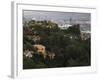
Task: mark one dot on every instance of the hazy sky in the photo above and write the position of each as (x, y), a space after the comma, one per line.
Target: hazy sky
(59, 17)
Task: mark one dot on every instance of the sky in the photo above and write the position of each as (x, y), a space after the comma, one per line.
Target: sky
(58, 17)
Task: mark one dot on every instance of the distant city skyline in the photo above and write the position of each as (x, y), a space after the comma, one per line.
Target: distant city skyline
(58, 17)
(61, 18)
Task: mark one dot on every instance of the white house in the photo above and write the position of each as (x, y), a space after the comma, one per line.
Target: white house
(64, 26)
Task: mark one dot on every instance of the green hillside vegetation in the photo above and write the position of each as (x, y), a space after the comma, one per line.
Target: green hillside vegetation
(70, 50)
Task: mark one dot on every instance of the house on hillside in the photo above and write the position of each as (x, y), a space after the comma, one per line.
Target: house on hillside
(85, 35)
(64, 26)
(41, 49)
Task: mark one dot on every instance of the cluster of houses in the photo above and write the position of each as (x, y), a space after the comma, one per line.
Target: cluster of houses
(41, 51)
(85, 34)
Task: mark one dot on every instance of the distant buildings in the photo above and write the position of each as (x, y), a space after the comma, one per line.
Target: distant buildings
(85, 27)
(85, 35)
(64, 26)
